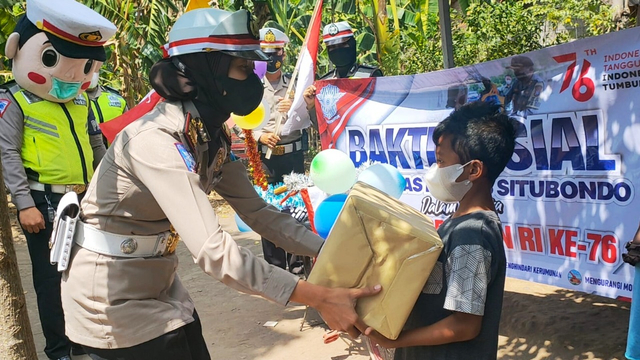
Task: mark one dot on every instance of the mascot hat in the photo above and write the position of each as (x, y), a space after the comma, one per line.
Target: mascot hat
(73, 29)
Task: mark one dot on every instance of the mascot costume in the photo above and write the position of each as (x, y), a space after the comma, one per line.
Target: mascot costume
(49, 139)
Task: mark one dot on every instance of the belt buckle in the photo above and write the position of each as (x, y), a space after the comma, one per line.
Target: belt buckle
(278, 150)
(78, 188)
(172, 242)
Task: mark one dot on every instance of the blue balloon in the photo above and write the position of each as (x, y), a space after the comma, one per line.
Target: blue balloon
(384, 177)
(327, 213)
(242, 226)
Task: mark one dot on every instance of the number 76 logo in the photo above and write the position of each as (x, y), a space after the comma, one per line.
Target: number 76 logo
(584, 88)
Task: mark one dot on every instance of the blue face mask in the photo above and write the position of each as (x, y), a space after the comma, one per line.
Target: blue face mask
(63, 90)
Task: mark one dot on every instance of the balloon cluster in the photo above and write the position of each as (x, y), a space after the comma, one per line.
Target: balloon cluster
(333, 172)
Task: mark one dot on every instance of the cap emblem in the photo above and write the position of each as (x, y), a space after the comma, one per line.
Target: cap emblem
(270, 37)
(91, 36)
(333, 29)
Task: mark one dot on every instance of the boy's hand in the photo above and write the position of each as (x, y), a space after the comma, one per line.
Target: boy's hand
(379, 339)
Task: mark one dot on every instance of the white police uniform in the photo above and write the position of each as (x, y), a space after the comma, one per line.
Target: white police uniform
(121, 293)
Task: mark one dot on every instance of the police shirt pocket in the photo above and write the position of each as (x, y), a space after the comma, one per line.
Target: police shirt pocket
(435, 280)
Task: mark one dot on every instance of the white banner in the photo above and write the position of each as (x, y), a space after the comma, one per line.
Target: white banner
(567, 198)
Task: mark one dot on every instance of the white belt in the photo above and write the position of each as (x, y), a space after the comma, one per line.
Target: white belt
(56, 188)
(284, 149)
(130, 246)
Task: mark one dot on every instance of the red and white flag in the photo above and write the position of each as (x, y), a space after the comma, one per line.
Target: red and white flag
(306, 68)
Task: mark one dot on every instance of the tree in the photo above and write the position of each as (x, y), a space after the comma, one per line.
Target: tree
(16, 339)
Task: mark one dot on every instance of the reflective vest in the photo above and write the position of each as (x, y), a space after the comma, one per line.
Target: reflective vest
(55, 145)
(108, 106)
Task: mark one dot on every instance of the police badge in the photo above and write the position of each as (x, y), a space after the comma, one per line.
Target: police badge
(333, 29)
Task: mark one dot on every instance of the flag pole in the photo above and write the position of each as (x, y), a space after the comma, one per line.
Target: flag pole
(290, 91)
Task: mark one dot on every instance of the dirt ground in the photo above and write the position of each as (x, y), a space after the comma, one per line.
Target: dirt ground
(538, 321)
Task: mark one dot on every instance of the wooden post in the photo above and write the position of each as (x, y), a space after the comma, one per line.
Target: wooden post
(16, 339)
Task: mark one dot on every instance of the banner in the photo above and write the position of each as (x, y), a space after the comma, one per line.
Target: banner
(567, 198)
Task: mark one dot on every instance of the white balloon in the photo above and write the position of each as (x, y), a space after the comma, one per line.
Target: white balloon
(332, 171)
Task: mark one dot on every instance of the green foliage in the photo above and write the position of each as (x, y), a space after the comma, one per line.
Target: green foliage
(494, 29)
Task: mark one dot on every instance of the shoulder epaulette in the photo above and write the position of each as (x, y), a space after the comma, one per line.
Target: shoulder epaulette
(329, 75)
(111, 90)
(10, 86)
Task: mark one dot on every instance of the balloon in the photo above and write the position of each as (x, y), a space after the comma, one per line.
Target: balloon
(332, 171)
(255, 120)
(384, 177)
(260, 68)
(327, 214)
(242, 226)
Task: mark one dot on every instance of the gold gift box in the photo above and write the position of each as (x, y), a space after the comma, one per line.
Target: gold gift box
(379, 240)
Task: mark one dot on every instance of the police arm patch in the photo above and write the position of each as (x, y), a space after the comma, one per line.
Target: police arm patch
(4, 104)
(187, 157)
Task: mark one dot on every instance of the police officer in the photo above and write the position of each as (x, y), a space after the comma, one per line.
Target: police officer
(287, 150)
(121, 293)
(106, 102)
(49, 139)
(341, 46)
(524, 96)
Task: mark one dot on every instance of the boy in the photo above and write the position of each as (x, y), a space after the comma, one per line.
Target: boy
(458, 313)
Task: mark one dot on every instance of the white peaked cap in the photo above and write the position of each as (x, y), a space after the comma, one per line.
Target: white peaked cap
(209, 29)
(271, 39)
(336, 33)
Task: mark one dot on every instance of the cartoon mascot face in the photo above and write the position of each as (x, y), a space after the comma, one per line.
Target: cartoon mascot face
(42, 70)
(56, 47)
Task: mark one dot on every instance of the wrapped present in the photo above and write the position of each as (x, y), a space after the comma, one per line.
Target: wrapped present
(379, 240)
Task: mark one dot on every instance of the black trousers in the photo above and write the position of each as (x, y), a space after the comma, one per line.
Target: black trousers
(280, 165)
(274, 169)
(185, 343)
(46, 281)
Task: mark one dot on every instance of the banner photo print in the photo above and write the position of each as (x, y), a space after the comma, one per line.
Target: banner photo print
(567, 198)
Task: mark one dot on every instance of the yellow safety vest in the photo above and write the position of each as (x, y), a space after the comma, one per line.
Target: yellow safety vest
(108, 106)
(55, 143)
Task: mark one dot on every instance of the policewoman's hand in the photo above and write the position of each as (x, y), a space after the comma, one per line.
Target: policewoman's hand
(269, 139)
(336, 306)
(309, 95)
(283, 105)
(32, 220)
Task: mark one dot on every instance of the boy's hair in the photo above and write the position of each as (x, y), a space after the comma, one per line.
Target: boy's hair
(479, 130)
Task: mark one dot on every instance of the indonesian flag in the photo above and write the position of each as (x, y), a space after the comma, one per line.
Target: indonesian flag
(306, 67)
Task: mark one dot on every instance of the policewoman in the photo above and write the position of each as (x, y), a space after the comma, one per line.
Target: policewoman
(287, 150)
(121, 294)
(49, 140)
(342, 49)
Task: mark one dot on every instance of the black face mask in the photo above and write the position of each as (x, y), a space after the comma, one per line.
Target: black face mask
(343, 57)
(241, 97)
(275, 64)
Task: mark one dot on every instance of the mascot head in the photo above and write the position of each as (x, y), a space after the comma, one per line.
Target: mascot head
(56, 47)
